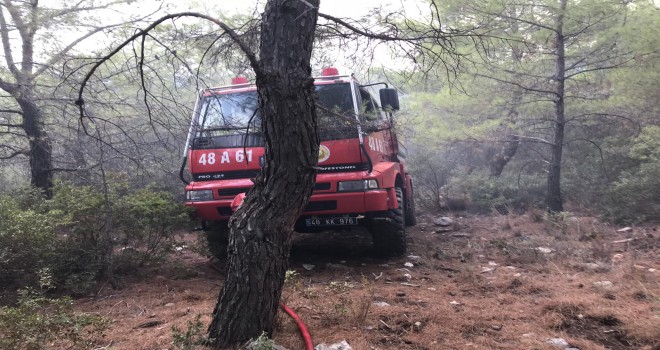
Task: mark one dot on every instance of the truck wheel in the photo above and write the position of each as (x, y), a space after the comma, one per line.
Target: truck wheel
(411, 218)
(389, 232)
(217, 238)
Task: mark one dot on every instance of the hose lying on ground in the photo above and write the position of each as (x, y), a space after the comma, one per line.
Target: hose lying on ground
(309, 345)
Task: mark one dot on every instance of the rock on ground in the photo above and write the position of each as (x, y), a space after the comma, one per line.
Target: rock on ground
(343, 345)
(443, 221)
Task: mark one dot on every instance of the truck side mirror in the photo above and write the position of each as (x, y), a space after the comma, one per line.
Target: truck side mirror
(389, 99)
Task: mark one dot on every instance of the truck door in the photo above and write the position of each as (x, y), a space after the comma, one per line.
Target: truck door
(376, 127)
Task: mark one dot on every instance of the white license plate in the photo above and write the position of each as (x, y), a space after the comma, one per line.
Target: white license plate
(338, 221)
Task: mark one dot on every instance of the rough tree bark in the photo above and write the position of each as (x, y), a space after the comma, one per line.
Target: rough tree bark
(500, 160)
(262, 228)
(554, 200)
(41, 159)
(20, 22)
(23, 90)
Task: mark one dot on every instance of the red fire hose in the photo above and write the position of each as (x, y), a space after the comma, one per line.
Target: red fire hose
(303, 330)
(309, 345)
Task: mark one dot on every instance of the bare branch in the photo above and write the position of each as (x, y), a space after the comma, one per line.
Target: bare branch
(534, 139)
(11, 125)
(6, 46)
(234, 36)
(16, 17)
(59, 55)
(77, 8)
(364, 33)
(530, 139)
(600, 151)
(606, 115)
(12, 155)
(15, 152)
(527, 88)
(531, 23)
(598, 68)
(11, 111)
(73, 170)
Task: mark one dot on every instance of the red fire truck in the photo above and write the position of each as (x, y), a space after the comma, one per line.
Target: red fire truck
(362, 179)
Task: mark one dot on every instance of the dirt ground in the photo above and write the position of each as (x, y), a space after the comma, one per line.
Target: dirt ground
(497, 282)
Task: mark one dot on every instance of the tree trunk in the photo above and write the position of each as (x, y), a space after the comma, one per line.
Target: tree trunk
(41, 158)
(262, 228)
(510, 148)
(507, 152)
(554, 199)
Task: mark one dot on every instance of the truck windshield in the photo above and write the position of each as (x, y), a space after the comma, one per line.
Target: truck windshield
(231, 114)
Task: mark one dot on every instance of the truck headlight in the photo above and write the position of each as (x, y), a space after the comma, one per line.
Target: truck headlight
(359, 185)
(199, 196)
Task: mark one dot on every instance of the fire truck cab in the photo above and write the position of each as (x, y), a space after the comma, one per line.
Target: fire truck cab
(362, 179)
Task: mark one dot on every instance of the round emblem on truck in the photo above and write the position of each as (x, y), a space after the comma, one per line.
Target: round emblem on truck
(324, 153)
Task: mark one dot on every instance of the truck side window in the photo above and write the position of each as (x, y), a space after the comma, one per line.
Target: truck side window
(336, 117)
(368, 106)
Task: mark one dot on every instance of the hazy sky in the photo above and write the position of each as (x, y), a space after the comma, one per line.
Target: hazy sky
(342, 8)
(339, 8)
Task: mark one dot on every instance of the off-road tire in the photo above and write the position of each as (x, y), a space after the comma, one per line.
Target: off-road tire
(217, 238)
(411, 218)
(389, 232)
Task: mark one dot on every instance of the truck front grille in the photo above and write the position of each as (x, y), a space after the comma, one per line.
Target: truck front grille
(231, 192)
(321, 206)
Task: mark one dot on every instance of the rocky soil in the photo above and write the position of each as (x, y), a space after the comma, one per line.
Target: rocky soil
(477, 282)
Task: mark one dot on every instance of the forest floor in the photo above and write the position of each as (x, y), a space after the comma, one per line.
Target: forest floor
(487, 282)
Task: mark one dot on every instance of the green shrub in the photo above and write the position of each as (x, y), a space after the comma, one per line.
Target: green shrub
(147, 225)
(28, 240)
(635, 195)
(263, 342)
(430, 174)
(502, 194)
(79, 235)
(129, 230)
(557, 221)
(38, 322)
(191, 337)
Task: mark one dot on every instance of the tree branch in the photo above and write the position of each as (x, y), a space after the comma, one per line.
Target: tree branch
(600, 151)
(535, 139)
(57, 56)
(588, 115)
(234, 36)
(16, 16)
(527, 88)
(11, 125)
(7, 86)
(76, 8)
(15, 152)
(612, 66)
(11, 111)
(73, 170)
(6, 46)
(431, 34)
(531, 23)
